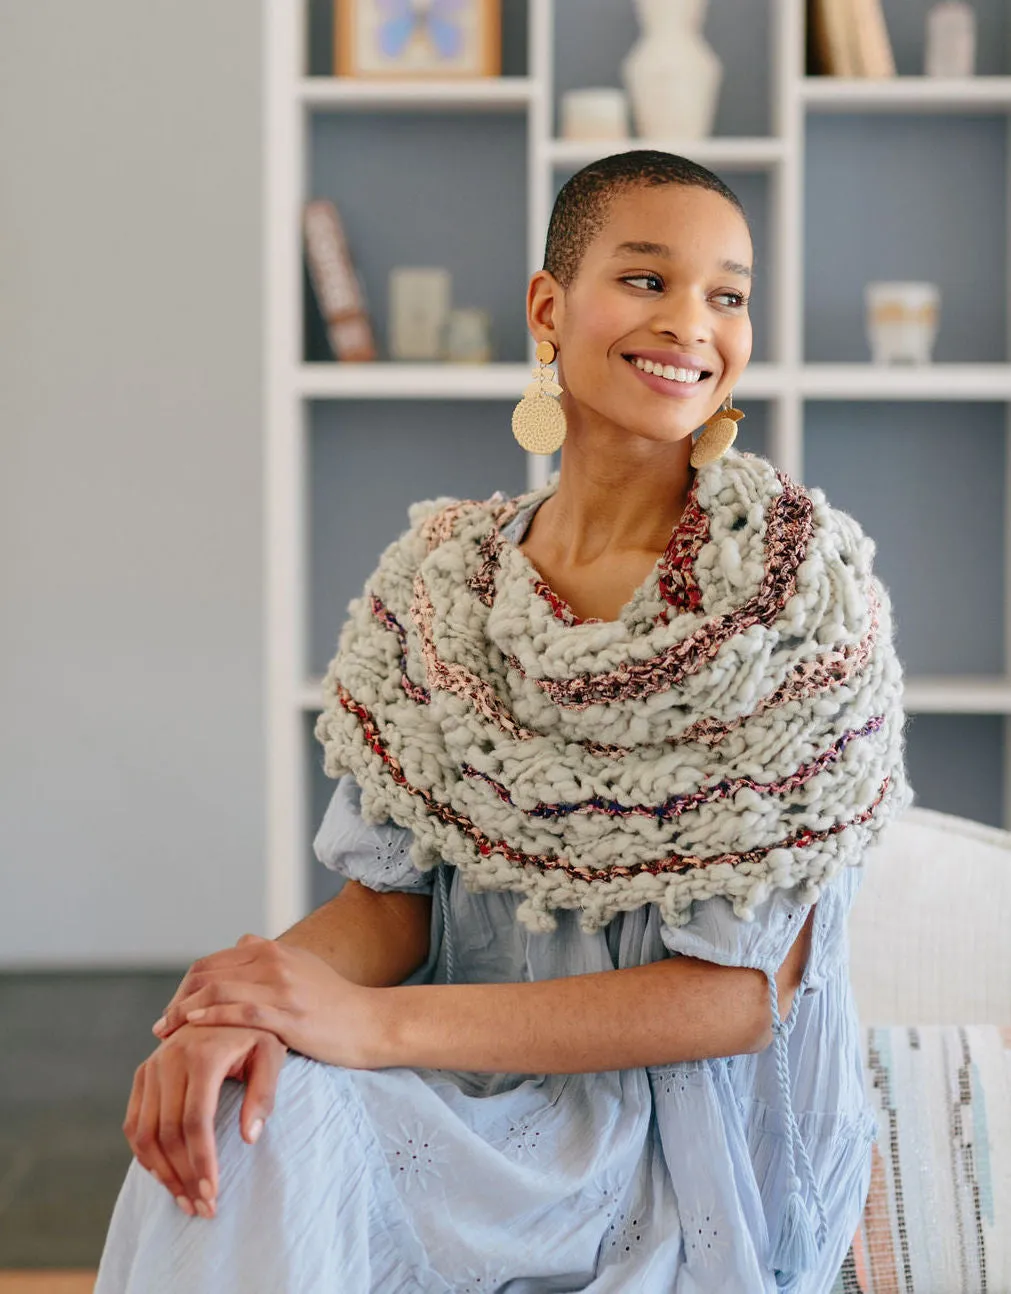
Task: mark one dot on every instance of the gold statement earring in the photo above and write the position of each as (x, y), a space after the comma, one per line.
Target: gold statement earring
(718, 434)
(538, 419)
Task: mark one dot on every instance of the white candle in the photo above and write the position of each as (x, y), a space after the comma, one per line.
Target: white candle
(597, 113)
(951, 40)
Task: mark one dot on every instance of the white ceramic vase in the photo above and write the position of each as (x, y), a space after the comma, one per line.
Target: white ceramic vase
(671, 74)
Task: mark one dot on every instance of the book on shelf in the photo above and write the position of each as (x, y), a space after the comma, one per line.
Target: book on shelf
(335, 283)
(849, 38)
(875, 55)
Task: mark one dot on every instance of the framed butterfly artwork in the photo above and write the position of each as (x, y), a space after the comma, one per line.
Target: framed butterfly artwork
(417, 38)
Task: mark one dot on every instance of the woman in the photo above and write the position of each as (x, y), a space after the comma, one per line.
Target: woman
(610, 755)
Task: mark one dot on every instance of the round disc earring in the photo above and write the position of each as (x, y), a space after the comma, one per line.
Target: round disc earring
(539, 420)
(718, 434)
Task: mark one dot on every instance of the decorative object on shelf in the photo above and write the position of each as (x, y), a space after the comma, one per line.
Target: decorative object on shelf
(875, 57)
(418, 38)
(849, 38)
(419, 309)
(538, 419)
(338, 292)
(902, 321)
(951, 40)
(672, 75)
(595, 113)
(468, 336)
(718, 433)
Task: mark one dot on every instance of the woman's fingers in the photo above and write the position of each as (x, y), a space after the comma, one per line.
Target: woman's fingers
(221, 993)
(197, 1125)
(146, 1145)
(205, 968)
(246, 1015)
(261, 1085)
(171, 1139)
(243, 940)
(210, 1059)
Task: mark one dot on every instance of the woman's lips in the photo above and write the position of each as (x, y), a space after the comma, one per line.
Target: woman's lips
(665, 386)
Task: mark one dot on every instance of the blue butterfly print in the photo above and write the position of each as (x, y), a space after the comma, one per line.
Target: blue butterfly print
(433, 18)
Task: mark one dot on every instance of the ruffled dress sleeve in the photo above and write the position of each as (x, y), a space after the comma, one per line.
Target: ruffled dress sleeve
(377, 856)
(715, 933)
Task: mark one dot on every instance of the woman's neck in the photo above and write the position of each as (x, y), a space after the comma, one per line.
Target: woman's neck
(602, 506)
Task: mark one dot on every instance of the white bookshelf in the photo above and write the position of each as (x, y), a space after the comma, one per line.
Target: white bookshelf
(785, 382)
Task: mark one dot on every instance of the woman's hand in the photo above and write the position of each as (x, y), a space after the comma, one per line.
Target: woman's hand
(263, 984)
(170, 1115)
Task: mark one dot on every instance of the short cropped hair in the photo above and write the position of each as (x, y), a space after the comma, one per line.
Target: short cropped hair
(580, 210)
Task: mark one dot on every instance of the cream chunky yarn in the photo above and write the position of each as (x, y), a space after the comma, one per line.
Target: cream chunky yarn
(738, 728)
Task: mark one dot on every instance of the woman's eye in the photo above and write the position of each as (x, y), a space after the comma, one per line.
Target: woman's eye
(645, 278)
(737, 298)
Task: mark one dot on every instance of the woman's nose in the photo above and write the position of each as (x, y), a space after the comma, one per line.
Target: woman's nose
(683, 316)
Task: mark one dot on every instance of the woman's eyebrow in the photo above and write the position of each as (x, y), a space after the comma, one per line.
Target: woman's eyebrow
(661, 249)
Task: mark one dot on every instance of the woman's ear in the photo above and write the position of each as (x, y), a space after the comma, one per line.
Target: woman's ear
(545, 306)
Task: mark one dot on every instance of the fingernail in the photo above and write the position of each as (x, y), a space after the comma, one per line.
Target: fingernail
(198, 1014)
(204, 1209)
(206, 1189)
(255, 1129)
(159, 1025)
(185, 1205)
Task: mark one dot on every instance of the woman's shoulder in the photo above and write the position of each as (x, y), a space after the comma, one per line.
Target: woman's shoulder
(757, 475)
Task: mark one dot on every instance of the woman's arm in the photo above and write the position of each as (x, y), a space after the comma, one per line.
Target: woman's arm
(678, 1009)
(681, 1008)
(368, 937)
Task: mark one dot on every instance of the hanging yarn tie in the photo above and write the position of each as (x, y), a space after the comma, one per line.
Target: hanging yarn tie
(442, 879)
(795, 1247)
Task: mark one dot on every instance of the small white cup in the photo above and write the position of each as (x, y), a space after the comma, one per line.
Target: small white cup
(902, 321)
(595, 113)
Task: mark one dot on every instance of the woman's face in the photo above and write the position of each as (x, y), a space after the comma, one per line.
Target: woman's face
(667, 279)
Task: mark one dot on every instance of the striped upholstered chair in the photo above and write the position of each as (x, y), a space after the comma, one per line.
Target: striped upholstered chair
(930, 935)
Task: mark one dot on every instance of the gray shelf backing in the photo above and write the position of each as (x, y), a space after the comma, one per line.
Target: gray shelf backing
(919, 197)
(926, 482)
(955, 764)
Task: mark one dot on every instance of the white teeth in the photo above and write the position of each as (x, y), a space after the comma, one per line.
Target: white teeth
(668, 371)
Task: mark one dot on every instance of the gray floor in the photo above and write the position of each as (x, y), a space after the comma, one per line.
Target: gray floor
(69, 1044)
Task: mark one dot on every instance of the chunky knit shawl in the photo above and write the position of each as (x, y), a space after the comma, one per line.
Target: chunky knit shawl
(738, 728)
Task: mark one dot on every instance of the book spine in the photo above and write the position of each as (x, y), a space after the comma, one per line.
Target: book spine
(835, 25)
(335, 283)
(876, 58)
(819, 55)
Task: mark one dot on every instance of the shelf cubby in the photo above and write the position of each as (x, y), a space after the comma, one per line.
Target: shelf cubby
(938, 532)
(901, 197)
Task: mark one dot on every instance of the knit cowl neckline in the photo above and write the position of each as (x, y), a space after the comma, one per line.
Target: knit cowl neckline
(646, 592)
(737, 727)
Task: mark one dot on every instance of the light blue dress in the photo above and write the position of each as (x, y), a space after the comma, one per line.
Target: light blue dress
(665, 1180)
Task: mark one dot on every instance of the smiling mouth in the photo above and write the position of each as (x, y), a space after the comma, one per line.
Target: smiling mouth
(677, 377)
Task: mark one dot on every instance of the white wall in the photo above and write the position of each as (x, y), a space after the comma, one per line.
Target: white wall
(131, 749)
